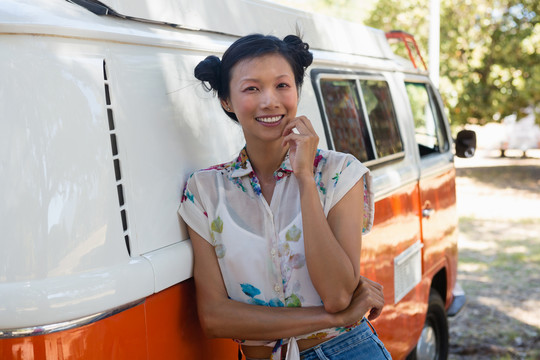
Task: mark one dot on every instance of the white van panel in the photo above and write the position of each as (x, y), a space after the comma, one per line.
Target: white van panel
(64, 298)
(265, 17)
(154, 97)
(64, 19)
(60, 211)
(63, 250)
(155, 132)
(80, 235)
(171, 264)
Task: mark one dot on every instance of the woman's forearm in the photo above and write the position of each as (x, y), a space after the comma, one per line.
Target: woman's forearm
(232, 319)
(226, 318)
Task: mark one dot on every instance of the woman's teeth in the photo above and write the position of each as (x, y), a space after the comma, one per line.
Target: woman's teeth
(271, 119)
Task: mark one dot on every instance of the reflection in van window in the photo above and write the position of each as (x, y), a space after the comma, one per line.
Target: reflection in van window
(429, 130)
(347, 123)
(382, 117)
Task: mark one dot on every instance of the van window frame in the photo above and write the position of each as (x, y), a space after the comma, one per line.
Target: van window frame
(443, 131)
(320, 74)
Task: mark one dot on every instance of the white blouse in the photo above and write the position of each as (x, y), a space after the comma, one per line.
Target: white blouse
(260, 246)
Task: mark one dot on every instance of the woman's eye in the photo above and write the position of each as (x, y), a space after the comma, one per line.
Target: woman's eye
(283, 85)
(250, 88)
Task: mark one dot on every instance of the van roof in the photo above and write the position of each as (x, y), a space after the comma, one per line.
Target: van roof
(231, 17)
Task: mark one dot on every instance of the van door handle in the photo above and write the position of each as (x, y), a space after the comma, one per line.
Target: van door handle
(426, 213)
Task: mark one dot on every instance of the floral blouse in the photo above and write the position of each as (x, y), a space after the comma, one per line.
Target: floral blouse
(260, 246)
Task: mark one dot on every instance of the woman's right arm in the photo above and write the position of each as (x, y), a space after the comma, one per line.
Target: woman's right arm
(222, 317)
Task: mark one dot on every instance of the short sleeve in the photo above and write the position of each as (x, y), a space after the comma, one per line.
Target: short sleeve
(346, 173)
(192, 210)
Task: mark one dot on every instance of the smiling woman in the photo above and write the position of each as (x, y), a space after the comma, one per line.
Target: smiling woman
(262, 224)
(263, 96)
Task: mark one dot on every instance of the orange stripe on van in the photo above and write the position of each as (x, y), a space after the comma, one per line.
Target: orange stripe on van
(165, 326)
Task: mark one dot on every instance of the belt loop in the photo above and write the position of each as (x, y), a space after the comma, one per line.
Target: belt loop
(372, 328)
(240, 355)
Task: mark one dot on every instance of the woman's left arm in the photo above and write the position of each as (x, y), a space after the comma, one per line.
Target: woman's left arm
(332, 244)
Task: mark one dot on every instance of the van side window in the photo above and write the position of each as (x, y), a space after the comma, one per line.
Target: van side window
(430, 132)
(382, 117)
(346, 118)
(361, 117)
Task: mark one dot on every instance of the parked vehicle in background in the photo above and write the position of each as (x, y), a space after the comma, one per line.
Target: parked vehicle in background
(102, 123)
(520, 134)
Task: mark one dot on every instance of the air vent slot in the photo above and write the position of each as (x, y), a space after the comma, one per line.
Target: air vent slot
(116, 160)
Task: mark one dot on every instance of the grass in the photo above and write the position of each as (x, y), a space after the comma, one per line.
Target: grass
(499, 260)
(505, 177)
(499, 269)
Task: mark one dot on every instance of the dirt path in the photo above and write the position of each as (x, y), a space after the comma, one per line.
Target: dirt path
(499, 267)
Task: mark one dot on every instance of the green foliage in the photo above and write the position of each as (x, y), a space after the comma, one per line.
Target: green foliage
(489, 61)
(489, 52)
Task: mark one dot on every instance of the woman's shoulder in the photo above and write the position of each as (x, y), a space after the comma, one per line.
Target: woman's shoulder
(332, 158)
(218, 169)
(202, 178)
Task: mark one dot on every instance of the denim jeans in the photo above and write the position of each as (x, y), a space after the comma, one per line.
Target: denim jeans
(359, 343)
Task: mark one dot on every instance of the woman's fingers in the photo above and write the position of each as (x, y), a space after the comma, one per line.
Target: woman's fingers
(376, 298)
(368, 296)
(303, 126)
(303, 141)
(374, 313)
(304, 132)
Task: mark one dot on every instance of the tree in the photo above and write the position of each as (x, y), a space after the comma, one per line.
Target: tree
(489, 53)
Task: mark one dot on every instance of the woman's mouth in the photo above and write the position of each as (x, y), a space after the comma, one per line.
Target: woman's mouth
(269, 119)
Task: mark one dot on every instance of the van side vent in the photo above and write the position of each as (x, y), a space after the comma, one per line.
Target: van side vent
(116, 160)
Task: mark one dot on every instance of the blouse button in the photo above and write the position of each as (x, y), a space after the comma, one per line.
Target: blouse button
(273, 252)
(280, 174)
(276, 288)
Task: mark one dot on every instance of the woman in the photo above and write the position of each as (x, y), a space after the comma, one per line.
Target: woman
(276, 232)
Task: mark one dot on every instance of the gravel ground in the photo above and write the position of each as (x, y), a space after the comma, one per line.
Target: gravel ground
(499, 251)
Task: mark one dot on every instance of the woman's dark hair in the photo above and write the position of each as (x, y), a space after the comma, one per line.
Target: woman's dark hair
(216, 74)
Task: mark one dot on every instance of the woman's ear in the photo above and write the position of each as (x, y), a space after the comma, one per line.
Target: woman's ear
(226, 106)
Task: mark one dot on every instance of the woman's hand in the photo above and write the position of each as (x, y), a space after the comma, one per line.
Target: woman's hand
(368, 296)
(302, 145)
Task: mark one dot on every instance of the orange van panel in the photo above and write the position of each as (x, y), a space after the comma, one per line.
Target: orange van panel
(396, 227)
(174, 331)
(121, 336)
(440, 231)
(165, 326)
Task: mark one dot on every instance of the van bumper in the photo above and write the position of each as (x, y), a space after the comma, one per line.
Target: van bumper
(459, 300)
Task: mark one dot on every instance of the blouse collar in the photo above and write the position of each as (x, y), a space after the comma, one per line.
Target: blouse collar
(242, 166)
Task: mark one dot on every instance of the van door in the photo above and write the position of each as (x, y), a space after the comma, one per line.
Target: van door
(436, 185)
(360, 117)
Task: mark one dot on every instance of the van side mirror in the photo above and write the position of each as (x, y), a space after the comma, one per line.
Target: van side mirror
(465, 143)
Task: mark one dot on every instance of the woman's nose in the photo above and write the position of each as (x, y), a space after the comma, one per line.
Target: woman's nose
(269, 99)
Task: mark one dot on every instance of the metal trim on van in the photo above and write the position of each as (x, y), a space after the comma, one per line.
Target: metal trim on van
(66, 325)
(429, 173)
(390, 191)
(435, 97)
(385, 160)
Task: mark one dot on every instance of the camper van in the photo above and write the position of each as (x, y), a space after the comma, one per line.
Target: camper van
(102, 122)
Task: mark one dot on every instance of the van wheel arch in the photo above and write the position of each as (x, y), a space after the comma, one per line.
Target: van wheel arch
(433, 342)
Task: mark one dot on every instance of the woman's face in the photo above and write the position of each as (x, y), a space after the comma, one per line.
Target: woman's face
(263, 95)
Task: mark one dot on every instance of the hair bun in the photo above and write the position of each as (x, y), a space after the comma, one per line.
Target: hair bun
(299, 49)
(209, 72)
